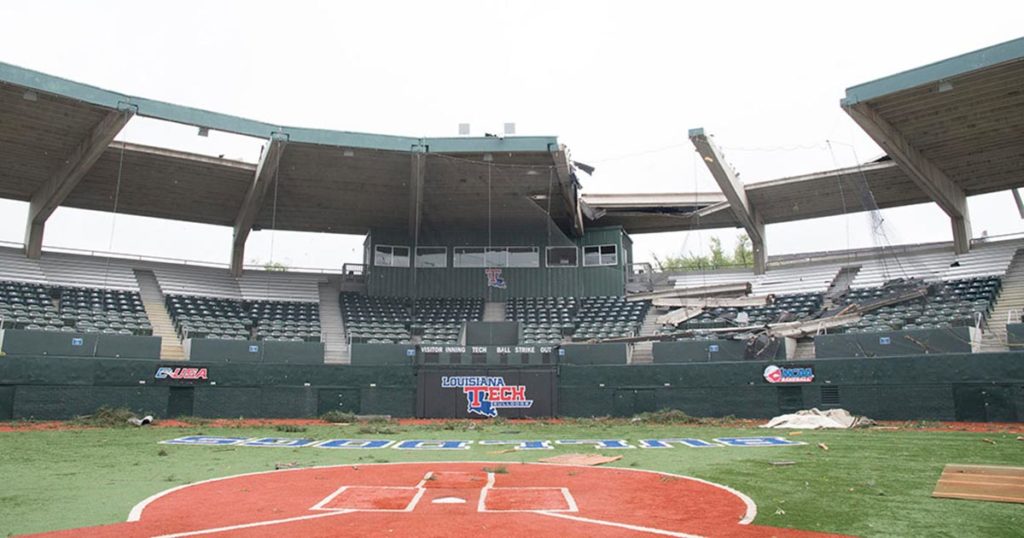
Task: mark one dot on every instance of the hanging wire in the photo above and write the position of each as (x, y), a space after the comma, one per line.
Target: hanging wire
(113, 218)
(273, 227)
(842, 193)
(548, 223)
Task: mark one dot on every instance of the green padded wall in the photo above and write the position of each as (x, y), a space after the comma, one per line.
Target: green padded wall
(894, 343)
(61, 344)
(1015, 336)
(382, 354)
(703, 351)
(60, 388)
(592, 354)
(891, 388)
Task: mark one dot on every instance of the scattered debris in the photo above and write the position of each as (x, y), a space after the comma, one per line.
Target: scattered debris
(580, 459)
(289, 465)
(796, 433)
(989, 441)
(814, 419)
(780, 512)
(823, 446)
(782, 463)
(1020, 437)
(144, 421)
(997, 483)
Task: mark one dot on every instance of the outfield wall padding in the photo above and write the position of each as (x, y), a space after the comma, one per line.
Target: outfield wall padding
(62, 344)
(986, 387)
(891, 388)
(893, 343)
(60, 388)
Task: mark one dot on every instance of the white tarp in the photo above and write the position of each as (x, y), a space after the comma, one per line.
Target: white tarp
(814, 419)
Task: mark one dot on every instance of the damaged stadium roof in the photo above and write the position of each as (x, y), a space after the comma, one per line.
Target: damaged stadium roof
(953, 129)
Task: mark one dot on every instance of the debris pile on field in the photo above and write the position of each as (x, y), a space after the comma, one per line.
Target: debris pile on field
(815, 419)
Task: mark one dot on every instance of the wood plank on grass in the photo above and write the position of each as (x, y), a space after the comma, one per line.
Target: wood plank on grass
(996, 483)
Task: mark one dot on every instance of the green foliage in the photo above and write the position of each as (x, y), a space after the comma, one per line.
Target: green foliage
(338, 417)
(106, 417)
(741, 256)
(270, 265)
(290, 428)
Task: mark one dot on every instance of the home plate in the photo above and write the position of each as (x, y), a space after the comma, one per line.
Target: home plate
(449, 500)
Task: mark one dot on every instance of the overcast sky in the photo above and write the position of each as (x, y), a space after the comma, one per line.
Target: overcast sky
(620, 83)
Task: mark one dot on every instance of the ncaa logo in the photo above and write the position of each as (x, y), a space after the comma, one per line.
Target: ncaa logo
(773, 374)
(802, 374)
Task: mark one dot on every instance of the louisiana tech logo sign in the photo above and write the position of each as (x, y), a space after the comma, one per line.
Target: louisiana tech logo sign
(494, 278)
(486, 394)
(774, 374)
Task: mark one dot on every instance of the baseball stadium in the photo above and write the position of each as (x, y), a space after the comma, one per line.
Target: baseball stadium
(469, 374)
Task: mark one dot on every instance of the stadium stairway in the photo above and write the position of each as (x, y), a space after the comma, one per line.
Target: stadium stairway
(494, 311)
(156, 311)
(643, 352)
(332, 326)
(841, 283)
(1010, 299)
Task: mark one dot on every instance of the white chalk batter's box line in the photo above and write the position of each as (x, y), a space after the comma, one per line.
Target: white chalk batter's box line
(420, 489)
(420, 444)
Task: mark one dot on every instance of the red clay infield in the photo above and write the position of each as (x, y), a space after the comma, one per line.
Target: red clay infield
(445, 499)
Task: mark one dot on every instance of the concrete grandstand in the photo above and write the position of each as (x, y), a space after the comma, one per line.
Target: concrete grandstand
(489, 242)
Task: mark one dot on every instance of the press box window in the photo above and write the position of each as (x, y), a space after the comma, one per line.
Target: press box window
(432, 257)
(523, 257)
(389, 256)
(468, 257)
(600, 255)
(563, 257)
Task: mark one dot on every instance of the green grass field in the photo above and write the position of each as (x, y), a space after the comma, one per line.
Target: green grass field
(869, 482)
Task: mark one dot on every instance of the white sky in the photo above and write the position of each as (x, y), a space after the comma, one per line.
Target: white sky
(619, 82)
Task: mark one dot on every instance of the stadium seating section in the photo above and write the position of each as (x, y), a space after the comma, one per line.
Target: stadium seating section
(549, 320)
(72, 309)
(954, 303)
(393, 320)
(231, 319)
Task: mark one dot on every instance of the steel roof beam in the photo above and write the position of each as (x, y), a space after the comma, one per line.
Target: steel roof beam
(266, 173)
(56, 189)
(929, 177)
(568, 186)
(735, 194)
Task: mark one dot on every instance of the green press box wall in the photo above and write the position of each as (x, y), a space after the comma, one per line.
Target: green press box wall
(59, 388)
(891, 388)
(520, 281)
